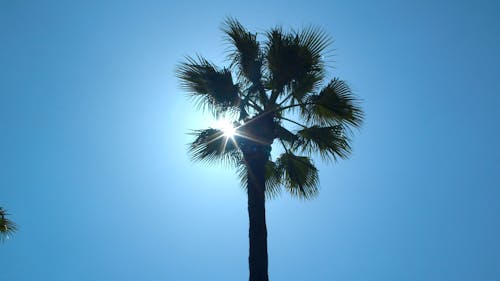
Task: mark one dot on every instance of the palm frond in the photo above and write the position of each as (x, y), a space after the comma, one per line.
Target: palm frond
(273, 179)
(211, 145)
(300, 88)
(330, 142)
(335, 104)
(300, 176)
(211, 88)
(315, 40)
(7, 227)
(245, 52)
(295, 61)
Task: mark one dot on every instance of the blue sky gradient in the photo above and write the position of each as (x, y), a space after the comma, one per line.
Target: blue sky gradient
(93, 138)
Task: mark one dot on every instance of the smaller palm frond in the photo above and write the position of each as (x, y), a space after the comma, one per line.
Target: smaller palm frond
(211, 145)
(7, 227)
(295, 60)
(315, 40)
(330, 142)
(300, 88)
(300, 176)
(335, 104)
(273, 179)
(212, 88)
(245, 52)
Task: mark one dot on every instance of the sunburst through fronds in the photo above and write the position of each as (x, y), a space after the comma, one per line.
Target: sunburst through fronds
(226, 126)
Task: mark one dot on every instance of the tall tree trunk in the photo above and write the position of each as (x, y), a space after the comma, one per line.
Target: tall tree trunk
(256, 168)
(256, 151)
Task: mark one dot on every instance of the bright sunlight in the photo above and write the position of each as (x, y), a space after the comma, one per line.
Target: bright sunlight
(226, 126)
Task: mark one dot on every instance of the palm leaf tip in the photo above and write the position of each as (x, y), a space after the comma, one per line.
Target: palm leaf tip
(300, 176)
(335, 104)
(245, 50)
(7, 227)
(316, 40)
(330, 142)
(273, 179)
(210, 86)
(295, 60)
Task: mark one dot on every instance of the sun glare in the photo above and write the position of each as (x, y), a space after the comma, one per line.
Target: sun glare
(226, 126)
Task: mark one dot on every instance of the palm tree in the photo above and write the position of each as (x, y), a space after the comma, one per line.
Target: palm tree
(7, 227)
(277, 94)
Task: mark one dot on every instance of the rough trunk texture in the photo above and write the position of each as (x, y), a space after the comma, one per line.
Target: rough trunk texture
(257, 259)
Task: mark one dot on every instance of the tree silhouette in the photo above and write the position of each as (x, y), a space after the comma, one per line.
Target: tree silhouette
(277, 93)
(7, 227)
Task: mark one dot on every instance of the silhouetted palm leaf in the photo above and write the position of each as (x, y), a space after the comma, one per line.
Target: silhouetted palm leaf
(212, 88)
(300, 88)
(295, 61)
(315, 40)
(335, 104)
(245, 54)
(273, 179)
(300, 176)
(7, 227)
(329, 142)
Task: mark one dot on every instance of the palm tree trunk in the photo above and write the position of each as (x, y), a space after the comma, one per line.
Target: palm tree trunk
(257, 259)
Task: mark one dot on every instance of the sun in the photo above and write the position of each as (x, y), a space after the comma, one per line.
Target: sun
(226, 127)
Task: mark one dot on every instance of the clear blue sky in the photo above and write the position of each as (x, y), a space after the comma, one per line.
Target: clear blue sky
(94, 169)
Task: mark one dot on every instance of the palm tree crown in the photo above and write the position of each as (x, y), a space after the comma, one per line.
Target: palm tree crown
(7, 227)
(277, 93)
